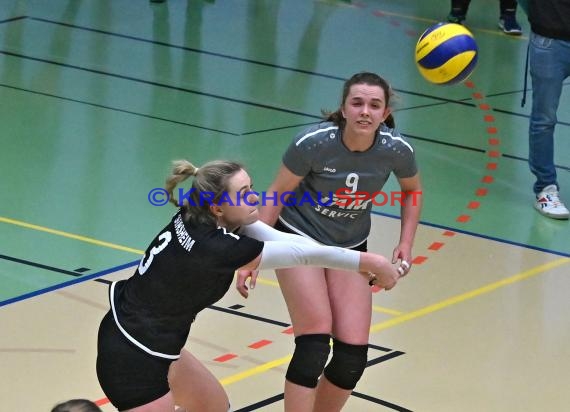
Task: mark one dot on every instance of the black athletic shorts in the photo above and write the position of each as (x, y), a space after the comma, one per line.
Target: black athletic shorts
(128, 376)
(363, 247)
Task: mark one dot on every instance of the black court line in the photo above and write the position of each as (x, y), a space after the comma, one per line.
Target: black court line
(380, 348)
(281, 396)
(230, 311)
(107, 282)
(276, 398)
(425, 139)
(421, 138)
(384, 358)
(407, 135)
(459, 146)
(416, 137)
(273, 129)
(510, 113)
(286, 325)
(262, 404)
(423, 106)
(50, 268)
(13, 19)
(248, 316)
(117, 109)
(474, 149)
(155, 84)
(381, 402)
(40, 266)
(466, 103)
(441, 100)
(185, 48)
(228, 57)
(283, 324)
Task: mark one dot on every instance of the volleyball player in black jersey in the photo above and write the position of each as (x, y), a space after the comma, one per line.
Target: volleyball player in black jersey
(141, 363)
(349, 158)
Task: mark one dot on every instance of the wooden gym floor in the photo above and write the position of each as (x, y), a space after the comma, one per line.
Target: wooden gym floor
(98, 96)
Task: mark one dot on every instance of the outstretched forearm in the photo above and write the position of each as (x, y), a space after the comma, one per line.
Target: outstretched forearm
(284, 250)
(280, 254)
(286, 254)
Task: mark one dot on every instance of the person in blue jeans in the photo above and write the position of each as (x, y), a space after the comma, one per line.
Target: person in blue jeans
(549, 63)
(507, 17)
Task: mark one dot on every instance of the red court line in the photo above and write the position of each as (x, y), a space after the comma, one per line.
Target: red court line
(473, 205)
(260, 344)
(418, 260)
(102, 401)
(436, 246)
(225, 358)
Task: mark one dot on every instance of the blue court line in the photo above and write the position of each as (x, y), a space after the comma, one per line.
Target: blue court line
(465, 232)
(68, 283)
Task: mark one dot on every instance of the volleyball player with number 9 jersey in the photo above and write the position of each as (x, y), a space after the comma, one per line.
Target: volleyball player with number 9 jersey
(343, 163)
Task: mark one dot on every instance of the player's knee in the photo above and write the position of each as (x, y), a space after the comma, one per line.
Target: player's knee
(309, 359)
(347, 364)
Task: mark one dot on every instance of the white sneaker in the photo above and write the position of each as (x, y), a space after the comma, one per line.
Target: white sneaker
(549, 204)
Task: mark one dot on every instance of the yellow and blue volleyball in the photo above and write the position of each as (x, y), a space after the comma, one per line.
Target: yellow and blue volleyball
(446, 53)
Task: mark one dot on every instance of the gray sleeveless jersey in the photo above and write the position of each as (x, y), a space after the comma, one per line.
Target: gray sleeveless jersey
(332, 203)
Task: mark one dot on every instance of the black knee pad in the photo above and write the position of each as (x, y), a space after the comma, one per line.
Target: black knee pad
(347, 364)
(309, 359)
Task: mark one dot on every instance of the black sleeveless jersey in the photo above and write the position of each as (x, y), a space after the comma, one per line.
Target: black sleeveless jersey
(184, 270)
